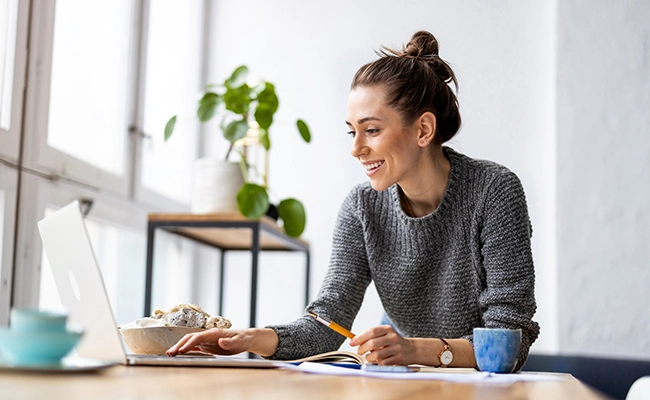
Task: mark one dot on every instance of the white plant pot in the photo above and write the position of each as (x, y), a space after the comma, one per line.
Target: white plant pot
(215, 186)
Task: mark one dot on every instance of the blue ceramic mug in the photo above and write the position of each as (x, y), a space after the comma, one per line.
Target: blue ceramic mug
(497, 350)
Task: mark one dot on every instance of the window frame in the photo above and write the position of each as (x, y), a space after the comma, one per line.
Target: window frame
(121, 201)
(10, 151)
(139, 191)
(9, 185)
(37, 154)
(10, 139)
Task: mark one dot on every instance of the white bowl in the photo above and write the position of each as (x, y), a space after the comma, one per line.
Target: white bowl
(154, 339)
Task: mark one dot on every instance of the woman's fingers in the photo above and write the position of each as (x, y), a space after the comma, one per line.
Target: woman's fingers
(374, 338)
(189, 342)
(369, 334)
(174, 350)
(389, 355)
(382, 345)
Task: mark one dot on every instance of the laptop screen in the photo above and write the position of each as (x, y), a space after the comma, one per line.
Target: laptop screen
(80, 284)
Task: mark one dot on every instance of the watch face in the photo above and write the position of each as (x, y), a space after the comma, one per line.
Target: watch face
(446, 357)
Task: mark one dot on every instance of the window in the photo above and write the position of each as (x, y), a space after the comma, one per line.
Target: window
(8, 183)
(136, 64)
(171, 88)
(98, 69)
(89, 83)
(8, 17)
(2, 215)
(12, 62)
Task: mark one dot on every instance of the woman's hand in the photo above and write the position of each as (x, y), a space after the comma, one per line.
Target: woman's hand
(385, 346)
(228, 342)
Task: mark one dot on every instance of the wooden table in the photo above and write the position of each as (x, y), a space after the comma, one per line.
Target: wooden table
(225, 231)
(122, 382)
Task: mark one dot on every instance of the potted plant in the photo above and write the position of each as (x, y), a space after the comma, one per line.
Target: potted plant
(243, 109)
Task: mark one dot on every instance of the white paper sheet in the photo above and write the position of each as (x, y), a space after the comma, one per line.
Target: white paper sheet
(461, 377)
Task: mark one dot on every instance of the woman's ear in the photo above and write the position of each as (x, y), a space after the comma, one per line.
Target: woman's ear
(427, 127)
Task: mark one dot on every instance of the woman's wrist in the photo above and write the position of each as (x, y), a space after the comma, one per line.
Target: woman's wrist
(427, 351)
(264, 341)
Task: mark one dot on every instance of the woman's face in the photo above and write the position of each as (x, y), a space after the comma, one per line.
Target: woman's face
(387, 150)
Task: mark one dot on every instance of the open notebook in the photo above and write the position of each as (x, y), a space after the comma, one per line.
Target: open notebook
(334, 357)
(81, 288)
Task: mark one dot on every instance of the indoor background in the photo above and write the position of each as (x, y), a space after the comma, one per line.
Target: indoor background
(557, 91)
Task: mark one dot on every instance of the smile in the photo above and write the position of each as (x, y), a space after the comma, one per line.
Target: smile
(372, 167)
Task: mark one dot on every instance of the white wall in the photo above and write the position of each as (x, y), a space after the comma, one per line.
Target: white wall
(503, 53)
(603, 205)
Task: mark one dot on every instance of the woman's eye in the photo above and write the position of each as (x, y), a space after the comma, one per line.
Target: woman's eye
(351, 133)
(372, 131)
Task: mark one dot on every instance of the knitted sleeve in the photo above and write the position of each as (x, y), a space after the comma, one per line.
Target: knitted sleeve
(341, 294)
(508, 300)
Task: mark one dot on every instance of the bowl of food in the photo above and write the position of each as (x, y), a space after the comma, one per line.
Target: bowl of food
(154, 339)
(156, 334)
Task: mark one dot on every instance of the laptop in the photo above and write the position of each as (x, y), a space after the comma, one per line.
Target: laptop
(81, 288)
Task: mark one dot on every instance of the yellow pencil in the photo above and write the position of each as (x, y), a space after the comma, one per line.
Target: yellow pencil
(333, 326)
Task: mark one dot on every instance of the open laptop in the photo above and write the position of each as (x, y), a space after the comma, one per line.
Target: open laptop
(81, 288)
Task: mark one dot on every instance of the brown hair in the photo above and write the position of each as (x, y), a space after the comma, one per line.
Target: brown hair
(416, 81)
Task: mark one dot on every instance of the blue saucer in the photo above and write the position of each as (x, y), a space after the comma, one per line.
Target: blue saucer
(36, 349)
(65, 366)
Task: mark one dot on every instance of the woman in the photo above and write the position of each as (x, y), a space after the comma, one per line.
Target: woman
(445, 238)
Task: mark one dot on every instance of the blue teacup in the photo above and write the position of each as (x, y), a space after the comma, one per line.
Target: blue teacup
(497, 350)
(31, 320)
(36, 337)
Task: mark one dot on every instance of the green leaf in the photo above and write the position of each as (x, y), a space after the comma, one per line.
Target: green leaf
(238, 77)
(169, 127)
(264, 139)
(252, 200)
(235, 130)
(268, 97)
(264, 115)
(238, 99)
(293, 216)
(207, 106)
(304, 130)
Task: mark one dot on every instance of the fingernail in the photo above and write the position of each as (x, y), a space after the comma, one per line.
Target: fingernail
(353, 343)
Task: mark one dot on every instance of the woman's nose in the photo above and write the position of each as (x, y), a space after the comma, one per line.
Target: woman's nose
(358, 147)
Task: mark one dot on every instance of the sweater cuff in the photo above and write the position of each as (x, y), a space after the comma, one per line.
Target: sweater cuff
(283, 333)
(469, 338)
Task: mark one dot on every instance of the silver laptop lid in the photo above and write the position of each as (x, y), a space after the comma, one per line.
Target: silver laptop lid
(80, 284)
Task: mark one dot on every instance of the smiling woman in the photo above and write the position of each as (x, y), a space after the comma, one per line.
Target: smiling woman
(444, 238)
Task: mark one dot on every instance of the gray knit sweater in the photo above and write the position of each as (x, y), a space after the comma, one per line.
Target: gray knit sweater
(468, 264)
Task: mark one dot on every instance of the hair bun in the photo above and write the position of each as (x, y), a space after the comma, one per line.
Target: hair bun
(422, 45)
